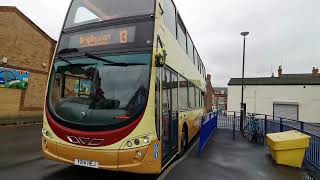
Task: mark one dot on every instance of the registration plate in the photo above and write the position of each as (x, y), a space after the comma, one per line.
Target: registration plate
(86, 163)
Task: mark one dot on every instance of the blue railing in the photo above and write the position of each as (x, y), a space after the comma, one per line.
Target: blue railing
(208, 125)
(272, 124)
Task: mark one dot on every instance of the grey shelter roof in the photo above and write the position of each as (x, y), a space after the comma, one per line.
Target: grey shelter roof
(287, 80)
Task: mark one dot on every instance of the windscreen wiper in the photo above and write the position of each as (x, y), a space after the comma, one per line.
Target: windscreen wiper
(67, 61)
(68, 50)
(125, 64)
(112, 63)
(64, 59)
(91, 56)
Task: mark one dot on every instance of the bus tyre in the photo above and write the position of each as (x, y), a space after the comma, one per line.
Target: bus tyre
(184, 140)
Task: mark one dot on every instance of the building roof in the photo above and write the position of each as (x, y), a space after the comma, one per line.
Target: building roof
(27, 20)
(297, 75)
(285, 80)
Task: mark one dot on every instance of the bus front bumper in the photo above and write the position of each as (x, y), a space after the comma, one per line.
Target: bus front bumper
(113, 160)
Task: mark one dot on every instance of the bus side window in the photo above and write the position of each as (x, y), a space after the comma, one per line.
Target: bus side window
(190, 48)
(202, 99)
(183, 93)
(182, 39)
(192, 96)
(169, 16)
(197, 104)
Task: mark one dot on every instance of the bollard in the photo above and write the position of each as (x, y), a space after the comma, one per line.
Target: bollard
(233, 128)
(265, 125)
(281, 125)
(234, 116)
(216, 123)
(301, 126)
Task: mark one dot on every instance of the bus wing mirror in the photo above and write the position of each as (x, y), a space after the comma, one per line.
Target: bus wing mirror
(160, 58)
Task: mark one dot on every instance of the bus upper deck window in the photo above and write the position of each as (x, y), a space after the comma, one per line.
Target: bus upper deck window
(89, 11)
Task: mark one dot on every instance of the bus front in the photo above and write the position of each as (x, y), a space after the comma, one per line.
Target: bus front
(99, 109)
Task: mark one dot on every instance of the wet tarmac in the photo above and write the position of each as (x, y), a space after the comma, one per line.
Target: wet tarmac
(20, 158)
(225, 159)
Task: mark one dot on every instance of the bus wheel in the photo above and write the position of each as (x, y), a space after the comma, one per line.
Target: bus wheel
(184, 140)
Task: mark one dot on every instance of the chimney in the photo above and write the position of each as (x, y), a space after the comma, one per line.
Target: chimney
(208, 79)
(209, 76)
(315, 71)
(209, 94)
(272, 75)
(280, 71)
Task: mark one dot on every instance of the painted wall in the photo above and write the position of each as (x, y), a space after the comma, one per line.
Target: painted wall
(26, 49)
(260, 99)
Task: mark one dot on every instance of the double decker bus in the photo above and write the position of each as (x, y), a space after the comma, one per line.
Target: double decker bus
(126, 87)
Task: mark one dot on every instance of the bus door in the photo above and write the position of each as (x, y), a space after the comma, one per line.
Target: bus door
(169, 115)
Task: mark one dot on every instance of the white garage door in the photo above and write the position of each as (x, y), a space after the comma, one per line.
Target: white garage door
(288, 111)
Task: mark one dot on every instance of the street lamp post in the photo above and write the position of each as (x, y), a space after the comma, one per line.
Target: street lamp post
(242, 111)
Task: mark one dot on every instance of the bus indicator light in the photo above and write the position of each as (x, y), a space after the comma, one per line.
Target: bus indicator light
(129, 143)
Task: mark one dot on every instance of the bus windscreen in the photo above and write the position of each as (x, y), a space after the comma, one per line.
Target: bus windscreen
(93, 92)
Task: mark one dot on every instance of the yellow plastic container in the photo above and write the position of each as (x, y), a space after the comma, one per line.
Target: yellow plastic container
(288, 148)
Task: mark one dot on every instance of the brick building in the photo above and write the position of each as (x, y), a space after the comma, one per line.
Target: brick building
(25, 57)
(209, 94)
(220, 98)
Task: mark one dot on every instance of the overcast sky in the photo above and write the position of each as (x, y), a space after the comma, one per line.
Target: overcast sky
(281, 31)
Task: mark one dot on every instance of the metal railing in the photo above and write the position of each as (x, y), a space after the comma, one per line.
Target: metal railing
(272, 124)
(208, 125)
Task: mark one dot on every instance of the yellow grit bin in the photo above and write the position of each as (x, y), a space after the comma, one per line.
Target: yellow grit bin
(288, 148)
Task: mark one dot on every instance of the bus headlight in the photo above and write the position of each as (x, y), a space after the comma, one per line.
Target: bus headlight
(47, 133)
(136, 142)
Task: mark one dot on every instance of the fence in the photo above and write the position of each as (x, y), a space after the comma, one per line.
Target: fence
(272, 124)
(208, 125)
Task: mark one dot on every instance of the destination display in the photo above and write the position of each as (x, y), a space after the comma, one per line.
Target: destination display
(103, 37)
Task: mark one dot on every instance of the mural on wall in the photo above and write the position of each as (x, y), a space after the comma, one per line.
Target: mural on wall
(83, 88)
(13, 78)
